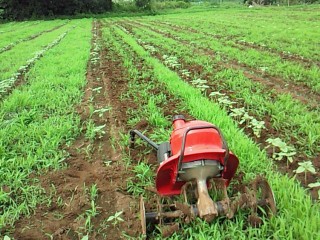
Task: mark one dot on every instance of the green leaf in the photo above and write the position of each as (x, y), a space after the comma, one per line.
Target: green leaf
(85, 237)
(314, 185)
(299, 169)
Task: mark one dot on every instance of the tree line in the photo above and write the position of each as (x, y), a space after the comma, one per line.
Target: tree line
(24, 9)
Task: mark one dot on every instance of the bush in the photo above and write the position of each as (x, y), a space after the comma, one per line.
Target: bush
(170, 5)
(143, 4)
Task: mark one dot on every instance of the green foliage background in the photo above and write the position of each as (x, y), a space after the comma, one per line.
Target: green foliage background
(22, 9)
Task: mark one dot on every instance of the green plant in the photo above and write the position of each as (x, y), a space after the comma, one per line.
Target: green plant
(237, 113)
(314, 185)
(101, 111)
(257, 127)
(305, 167)
(246, 118)
(93, 192)
(171, 61)
(285, 151)
(115, 219)
(143, 178)
(94, 131)
(200, 83)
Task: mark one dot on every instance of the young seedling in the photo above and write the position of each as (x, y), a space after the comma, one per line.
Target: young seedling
(171, 61)
(185, 73)
(237, 113)
(246, 118)
(93, 192)
(93, 131)
(101, 111)
(305, 167)
(257, 127)
(115, 219)
(200, 83)
(225, 102)
(144, 178)
(285, 151)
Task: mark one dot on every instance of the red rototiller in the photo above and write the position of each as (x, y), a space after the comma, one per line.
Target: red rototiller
(196, 160)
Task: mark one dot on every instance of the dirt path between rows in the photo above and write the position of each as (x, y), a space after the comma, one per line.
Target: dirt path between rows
(76, 210)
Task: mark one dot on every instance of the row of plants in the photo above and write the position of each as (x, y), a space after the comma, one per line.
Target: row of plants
(16, 26)
(262, 28)
(259, 61)
(11, 39)
(253, 161)
(254, 97)
(7, 84)
(242, 43)
(18, 56)
(296, 89)
(37, 118)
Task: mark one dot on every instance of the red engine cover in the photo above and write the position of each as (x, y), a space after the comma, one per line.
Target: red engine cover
(200, 144)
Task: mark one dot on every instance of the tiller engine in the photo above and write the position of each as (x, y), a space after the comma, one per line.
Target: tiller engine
(195, 162)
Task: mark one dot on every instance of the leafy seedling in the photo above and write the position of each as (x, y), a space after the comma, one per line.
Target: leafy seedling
(115, 219)
(257, 127)
(285, 151)
(305, 167)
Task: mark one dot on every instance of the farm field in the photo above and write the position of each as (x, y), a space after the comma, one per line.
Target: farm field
(71, 90)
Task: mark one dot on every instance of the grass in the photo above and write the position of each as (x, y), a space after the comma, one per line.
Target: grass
(11, 39)
(36, 119)
(18, 56)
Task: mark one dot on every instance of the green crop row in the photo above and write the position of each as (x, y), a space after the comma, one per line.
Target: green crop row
(17, 57)
(297, 215)
(36, 119)
(16, 26)
(260, 61)
(13, 38)
(7, 84)
(291, 32)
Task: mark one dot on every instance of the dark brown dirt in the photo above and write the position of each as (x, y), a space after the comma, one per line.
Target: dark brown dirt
(265, 134)
(90, 162)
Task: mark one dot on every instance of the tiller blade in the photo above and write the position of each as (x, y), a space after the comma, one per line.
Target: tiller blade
(257, 198)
